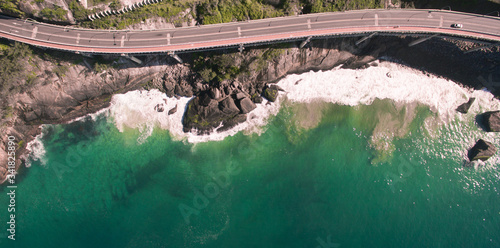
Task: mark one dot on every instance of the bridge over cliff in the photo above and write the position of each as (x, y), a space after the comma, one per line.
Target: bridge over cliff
(428, 23)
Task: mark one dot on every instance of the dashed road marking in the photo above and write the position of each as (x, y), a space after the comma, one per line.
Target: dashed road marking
(78, 38)
(33, 35)
(376, 20)
(122, 42)
(441, 22)
(239, 32)
(309, 24)
(168, 39)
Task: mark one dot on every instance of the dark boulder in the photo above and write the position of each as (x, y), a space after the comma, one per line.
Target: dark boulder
(240, 95)
(215, 93)
(159, 107)
(205, 117)
(228, 107)
(205, 99)
(172, 110)
(257, 99)
(246, 105)
(464, 108)
(270, 94)
(169, 88)
(482, 150)
(491, 121)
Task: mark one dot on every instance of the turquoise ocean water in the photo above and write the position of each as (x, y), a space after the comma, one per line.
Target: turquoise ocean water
(288, 187)
(319, 175)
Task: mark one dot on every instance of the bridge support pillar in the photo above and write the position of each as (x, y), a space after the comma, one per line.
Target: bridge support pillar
(365, 38)
(304, 43)
(241, 48)
(176, 57)
(132, 58)
(422, 40)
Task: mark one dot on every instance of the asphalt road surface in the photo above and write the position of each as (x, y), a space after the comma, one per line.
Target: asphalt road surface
(231, 34)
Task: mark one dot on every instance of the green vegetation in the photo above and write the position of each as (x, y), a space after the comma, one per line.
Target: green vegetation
(210, 12)
(220, 11)
(60, 70)
(13, 71)
(100, 67)
(79, 12)
(216, 67)
(316, 6)
(55, 14)
(115, 5)
(11, 7)
(168, 9)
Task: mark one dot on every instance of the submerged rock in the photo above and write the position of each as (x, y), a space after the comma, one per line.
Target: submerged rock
(228, 107)
(482, 150)
(159, 107)
(491, 121)
(270, 94)
(464, 108)
(172, 110)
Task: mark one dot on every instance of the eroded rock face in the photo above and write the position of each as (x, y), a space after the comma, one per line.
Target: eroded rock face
(246, 105)
(482, 150)
(491, 121)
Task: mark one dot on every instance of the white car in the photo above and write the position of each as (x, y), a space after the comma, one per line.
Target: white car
(456, 25)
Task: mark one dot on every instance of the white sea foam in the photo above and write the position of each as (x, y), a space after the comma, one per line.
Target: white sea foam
(36, 151)
(386, 81)
(92, 115)
(136, 109)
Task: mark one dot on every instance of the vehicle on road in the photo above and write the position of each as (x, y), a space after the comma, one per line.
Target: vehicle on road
(456, 25)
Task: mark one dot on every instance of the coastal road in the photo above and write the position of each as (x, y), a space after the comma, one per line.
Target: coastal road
(257, 31)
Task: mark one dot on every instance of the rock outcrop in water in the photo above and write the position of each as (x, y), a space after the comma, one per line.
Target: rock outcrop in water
(464, 108)
(491, 121)
(270, 94)
(482, 150)
(204, 113)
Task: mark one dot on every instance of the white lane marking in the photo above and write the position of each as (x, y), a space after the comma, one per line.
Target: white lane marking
(122, 42)
(15, 23)
(239, 32)
(376, 20)
(33, 35)
(168, 39)
(441, 22)
(78, 38)
(309, 24)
